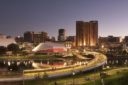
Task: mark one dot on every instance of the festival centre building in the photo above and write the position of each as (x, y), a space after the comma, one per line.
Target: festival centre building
(50, 48)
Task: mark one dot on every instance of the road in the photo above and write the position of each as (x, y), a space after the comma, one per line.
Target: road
(96, 62)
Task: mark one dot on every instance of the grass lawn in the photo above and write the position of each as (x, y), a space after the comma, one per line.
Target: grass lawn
(120, 78)
(114, 79)
(62, 80)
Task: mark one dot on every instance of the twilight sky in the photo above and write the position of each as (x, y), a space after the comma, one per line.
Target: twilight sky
(18, 16)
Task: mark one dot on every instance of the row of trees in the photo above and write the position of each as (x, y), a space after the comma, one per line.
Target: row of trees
(11, 47)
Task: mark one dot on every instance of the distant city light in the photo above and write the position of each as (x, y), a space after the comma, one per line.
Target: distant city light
(9, 63)
(34, 65)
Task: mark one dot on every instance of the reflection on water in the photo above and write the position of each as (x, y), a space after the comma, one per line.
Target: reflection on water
(19, 65)
(15, 65)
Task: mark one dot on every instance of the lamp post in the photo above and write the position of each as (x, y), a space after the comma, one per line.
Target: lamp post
(102, 75)
(94, 78)
(73, 73)
(23, 77)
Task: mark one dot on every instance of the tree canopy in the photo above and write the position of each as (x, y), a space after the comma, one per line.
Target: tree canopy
(3, 50)
(14, 48)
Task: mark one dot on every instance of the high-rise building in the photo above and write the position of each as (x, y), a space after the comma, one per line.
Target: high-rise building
(61, 36)
(28, 36)
(86, 33)
(40, 37)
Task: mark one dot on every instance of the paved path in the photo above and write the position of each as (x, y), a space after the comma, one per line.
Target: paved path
(96, 62)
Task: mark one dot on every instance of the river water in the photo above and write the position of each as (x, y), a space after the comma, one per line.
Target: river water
(19, 65)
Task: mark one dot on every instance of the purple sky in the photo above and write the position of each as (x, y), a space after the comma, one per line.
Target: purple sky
(18, 16)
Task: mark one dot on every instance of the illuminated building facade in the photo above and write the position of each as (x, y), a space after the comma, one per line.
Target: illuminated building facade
(86, 33)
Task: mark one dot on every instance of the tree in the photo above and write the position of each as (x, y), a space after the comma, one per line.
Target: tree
(124, 52)
(3, 50)
(14, 48)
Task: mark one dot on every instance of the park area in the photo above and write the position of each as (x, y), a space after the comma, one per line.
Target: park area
(114, 76)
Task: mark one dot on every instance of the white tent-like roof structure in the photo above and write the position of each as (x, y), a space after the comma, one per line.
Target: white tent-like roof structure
(49, 47)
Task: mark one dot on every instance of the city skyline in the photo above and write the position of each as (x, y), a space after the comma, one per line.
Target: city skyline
(49, 16)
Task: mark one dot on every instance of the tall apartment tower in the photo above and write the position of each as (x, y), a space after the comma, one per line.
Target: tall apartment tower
(28, 36)
(61, 36)
(86, 33)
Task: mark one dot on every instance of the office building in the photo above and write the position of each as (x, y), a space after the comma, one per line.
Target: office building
(28, 36)
(61, 36)
(110, 39)
(40, 37)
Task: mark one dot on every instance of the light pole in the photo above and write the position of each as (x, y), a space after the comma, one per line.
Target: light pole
(102, 75)
(94, 73)
(73, 73)
(94, 78)
(23, 77)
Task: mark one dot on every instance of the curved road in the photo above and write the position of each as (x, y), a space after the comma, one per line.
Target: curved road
(96, 62)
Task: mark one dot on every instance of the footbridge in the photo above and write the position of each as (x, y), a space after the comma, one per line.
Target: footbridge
(98, 61)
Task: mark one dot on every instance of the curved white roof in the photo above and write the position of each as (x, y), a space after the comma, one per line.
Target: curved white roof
(47, 46)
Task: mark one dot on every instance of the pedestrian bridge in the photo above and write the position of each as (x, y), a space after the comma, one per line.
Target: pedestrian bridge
(98, 61)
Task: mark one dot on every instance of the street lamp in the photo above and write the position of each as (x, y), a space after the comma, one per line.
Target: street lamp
(102, 75)
(73, 73)
(23, 77)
